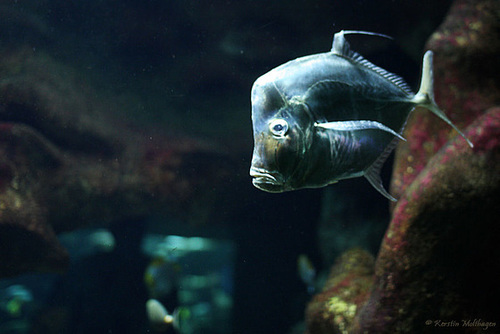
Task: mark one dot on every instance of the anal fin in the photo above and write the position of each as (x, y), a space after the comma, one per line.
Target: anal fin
(372, 174)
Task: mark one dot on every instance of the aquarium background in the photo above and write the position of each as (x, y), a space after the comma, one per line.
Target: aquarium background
(179, 74)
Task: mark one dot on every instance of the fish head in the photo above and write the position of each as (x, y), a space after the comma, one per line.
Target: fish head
(281, 129)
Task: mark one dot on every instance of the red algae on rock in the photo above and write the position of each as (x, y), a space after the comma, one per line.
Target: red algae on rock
(434, 262)
(466, 83)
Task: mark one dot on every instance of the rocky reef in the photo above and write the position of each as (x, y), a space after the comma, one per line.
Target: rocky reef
(437, 264)
(68, 159)
(347, 286)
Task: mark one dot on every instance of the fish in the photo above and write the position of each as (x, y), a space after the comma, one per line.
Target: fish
(332, 116)
(161, 319)
(307, 272)
(161, 276)
(87, 242)
(14, 299)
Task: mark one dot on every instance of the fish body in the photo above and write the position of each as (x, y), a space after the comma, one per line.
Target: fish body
(13, 300)
(161, 320)
(330, 116)
(162, 276)
(307, 272)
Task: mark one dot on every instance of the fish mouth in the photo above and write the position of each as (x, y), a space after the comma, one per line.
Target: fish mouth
(266, 181)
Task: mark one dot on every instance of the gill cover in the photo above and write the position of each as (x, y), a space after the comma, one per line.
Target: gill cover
(279, 139)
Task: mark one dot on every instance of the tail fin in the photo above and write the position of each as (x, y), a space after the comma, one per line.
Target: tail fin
(425, 96)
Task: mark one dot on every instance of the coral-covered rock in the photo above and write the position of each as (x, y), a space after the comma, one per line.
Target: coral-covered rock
(67, 161)
(437, 261)
(437, 258)
(347, 287)
(466, 83)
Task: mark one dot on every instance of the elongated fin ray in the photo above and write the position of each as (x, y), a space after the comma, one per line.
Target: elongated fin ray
(362, 32)
(357, 125)
(372, 174)
(340, 47)
(425, 95)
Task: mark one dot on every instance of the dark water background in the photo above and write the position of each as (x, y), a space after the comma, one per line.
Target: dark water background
(187, 67)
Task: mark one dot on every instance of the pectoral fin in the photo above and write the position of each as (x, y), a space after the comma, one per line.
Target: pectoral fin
(358, 125)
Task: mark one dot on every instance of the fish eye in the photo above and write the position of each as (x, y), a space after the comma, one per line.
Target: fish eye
(278, 127)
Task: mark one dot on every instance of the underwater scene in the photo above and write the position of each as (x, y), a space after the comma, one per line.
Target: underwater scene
(249, 167)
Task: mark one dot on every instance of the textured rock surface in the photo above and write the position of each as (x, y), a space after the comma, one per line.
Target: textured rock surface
(437, 258)
(437, 263)
(347, 287)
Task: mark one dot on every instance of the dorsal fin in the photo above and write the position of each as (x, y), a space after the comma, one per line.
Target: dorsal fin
(340, 47)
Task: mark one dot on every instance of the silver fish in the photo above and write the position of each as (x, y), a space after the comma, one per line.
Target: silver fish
(331, 116)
